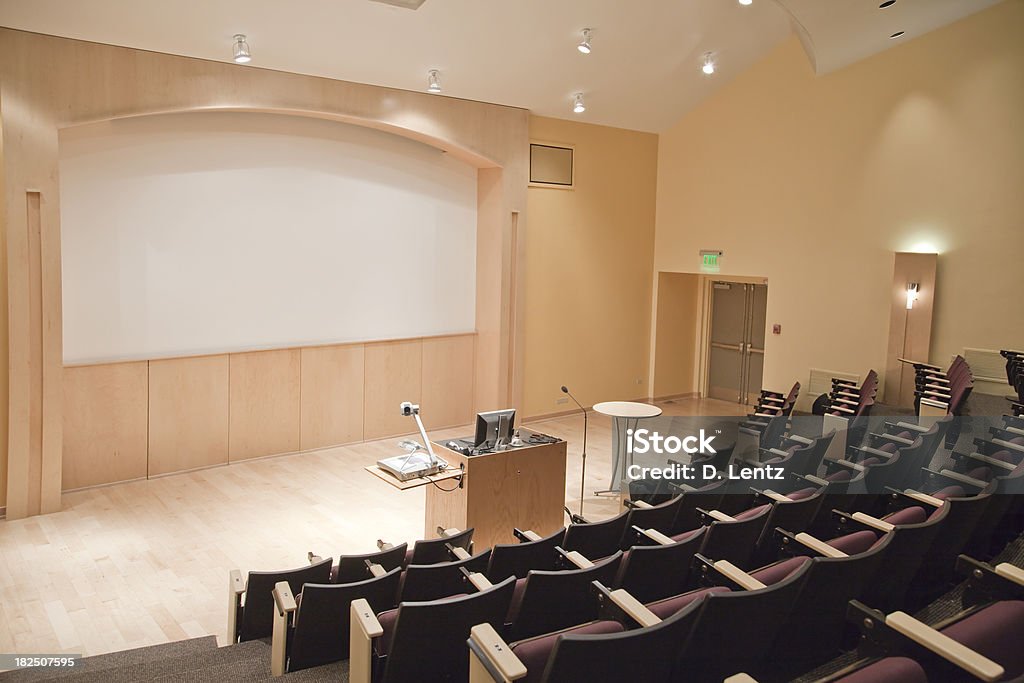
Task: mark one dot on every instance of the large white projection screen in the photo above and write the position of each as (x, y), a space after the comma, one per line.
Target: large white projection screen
(209, 232)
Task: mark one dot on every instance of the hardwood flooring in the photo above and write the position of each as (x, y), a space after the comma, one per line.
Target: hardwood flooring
(147, 562)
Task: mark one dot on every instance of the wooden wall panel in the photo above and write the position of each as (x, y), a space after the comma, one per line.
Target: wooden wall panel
(188, 413)
(105, 424)
(331, 400)
(263, 398)
(910, 330)
(394, 374)
(448, 376)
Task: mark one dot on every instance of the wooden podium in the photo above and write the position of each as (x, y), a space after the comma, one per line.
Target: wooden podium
(521, 487)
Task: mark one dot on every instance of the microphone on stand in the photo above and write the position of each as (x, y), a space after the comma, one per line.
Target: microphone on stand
(583, 476)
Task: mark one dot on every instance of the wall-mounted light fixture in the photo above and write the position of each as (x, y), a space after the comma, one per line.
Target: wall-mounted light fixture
(913, 290)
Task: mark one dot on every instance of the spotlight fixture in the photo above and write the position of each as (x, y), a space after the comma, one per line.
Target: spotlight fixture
(746, 2)
(913, 291)
(896, 35)
(433, 82)
(887, 3)
(577, 104)
(241, 50)
(708, 64)
(584, 45)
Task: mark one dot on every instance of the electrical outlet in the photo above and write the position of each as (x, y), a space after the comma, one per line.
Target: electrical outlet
(561, 401)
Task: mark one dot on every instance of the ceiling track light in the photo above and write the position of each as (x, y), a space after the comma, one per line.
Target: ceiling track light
(241, 50)
(584, 45)
(577, 104)
(708, 63)
(896, 35)
(433, 81)
(746, 2)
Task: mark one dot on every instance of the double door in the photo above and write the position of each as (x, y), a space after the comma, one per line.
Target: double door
(736, 341)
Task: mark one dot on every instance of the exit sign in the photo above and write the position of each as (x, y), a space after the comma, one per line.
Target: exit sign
(710, 260)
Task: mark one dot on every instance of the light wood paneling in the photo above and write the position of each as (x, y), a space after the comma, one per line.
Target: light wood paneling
(394, 372)
(188, 413)
(105, 424)
(263, 399)
(448, 377)
(910, 331)
(331, 408)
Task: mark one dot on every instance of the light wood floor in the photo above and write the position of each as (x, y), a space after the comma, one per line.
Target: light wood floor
(147, 562)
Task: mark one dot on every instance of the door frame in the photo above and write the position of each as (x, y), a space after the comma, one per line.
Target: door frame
(704, 352)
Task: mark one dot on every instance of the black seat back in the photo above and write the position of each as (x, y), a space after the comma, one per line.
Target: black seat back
(257, 618)
(706, 498)
(517, 559)
(616, 656)
(433, 550)
(428, 644)
(735, 541)
(659, 517)
(654, 572)
(549, 601)
(596, 539)
(353, 568)
(321, 631)
(422, 582)
(735, 630)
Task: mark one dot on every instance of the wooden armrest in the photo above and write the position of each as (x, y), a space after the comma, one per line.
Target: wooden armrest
(871, 451)
(924, 498)
(642, 504)
(376, 570)
(479, 581)
(842, 409)
(283, 598)
(992, 461)
(236, 583)
(720, 516)
(531, 535)
(775, 496)
(963, 479)
(384, 545)
(313, 559)
(873, 522)
(912, 427)
(934, 404)
(817, 546)
(918, 363)
(236, 588)
(737, 575)
(849, 465)
(634, 608)
(776, 451)
(284, 607)
(447, 533)
(767, 414)
(800, 439)
(740, 678)
(816, 480)
(459, 552)
(894, 439)
(845, 401)
(1002, 443)
(491, 659)
(1010, 572)
(364, 627)
(944, 646)
(576, 558)
(657, 536)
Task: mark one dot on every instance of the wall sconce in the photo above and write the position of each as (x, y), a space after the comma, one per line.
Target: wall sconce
(913, 289)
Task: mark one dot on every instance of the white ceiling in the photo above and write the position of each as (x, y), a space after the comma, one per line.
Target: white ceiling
(644, 71)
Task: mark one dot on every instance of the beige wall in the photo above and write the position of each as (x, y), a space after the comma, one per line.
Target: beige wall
(675, 338)
(813, 182)
(3, 327)
(588, 269)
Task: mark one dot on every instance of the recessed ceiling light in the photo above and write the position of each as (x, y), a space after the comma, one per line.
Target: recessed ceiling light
(748, 2)
(433, 81)
(887, 3)
(241, 50)
(584, 45)
(708, 64)
(896, 35)
(577, 104)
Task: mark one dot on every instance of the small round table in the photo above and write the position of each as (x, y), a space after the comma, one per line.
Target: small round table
(622, 413)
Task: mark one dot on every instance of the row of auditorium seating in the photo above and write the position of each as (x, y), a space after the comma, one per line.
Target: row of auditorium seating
(946, 391)
(695, 519)
(1015, 378)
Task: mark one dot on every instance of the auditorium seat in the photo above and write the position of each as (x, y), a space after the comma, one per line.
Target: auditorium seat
(422, 582)
(651, 572)
(423, 641)
(517, 559)
(250, 612)
(317, 631)
(352, 568)
(596, 539)
(431, 550)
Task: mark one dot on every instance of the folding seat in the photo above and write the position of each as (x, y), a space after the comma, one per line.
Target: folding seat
(595, 539)
(652, 572)
(517, 559)
(753, 437)
(597, 651)
(981, 642)
(351, 568)
(547, 601)
(708, 497)
(313, 628)
(429, 551)
(793, 512)
(423, 641)
(660, 517)
(775, 403)
(421, 582)
(733, 539)
(253, 618)
(873, 670)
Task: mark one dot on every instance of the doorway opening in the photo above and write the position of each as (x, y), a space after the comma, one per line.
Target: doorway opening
(735, 316)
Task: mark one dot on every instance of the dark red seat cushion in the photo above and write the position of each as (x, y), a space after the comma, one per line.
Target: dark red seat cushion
(534, 652)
